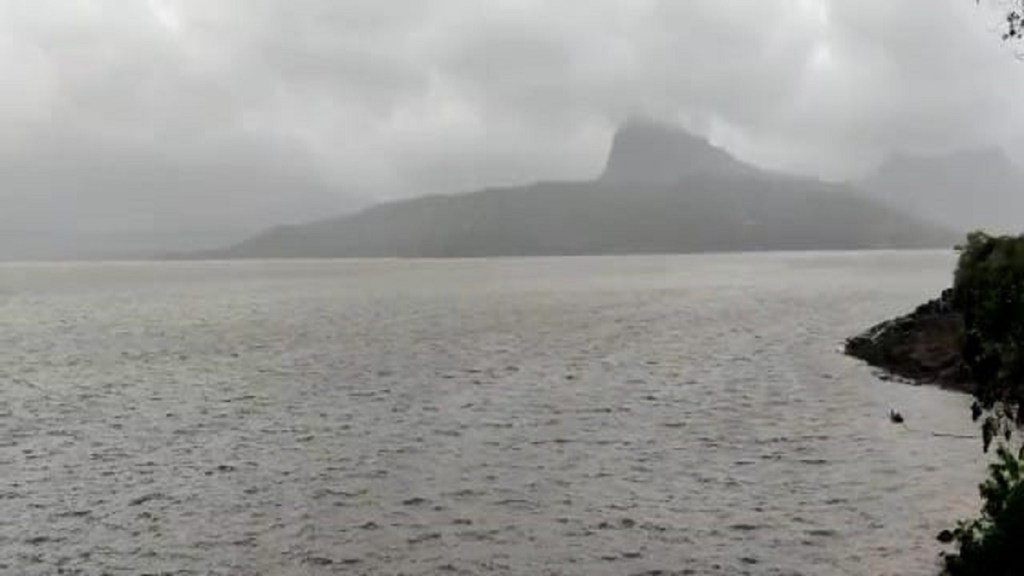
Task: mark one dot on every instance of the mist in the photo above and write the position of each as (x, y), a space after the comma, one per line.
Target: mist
(601, 287)
(128, 128)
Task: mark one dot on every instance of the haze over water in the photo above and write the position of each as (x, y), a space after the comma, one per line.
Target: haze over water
(621, 415)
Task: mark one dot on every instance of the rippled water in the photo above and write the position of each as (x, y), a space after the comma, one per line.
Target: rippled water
(689, 415)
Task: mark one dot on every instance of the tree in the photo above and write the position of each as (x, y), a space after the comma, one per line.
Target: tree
(988, 291)
(1014, 19)
(991, 545)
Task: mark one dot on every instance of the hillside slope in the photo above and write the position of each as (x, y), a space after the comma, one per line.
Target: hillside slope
(968, 190)
(664, 191)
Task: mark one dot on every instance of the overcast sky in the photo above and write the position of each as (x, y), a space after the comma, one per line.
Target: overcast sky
(199, 114)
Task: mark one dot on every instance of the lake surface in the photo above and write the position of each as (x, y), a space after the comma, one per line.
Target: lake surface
(681, 414)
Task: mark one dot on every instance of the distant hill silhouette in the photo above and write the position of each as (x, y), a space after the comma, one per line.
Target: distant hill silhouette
(643, 151)
(663, 191)
(965, 190)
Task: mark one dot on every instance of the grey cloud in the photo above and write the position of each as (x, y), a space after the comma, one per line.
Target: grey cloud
(202, 114)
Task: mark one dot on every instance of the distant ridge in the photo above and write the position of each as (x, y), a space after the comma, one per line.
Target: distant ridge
(663, 190)
(966, 190)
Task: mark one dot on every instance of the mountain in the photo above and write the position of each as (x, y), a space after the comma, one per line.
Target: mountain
(663, 191)
(968, 190)
(643, 151)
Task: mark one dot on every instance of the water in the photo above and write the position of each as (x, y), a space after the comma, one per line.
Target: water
(689, 415)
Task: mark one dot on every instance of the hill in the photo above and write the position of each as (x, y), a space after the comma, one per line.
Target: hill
(968, 190)
(663, 191)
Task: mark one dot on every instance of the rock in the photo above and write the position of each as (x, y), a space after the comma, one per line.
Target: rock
(946, 536)
(923, 346)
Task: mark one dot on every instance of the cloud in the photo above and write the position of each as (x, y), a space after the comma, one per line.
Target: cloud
(199, 114)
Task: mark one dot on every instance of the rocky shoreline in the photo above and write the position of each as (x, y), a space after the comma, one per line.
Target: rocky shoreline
(923, 347)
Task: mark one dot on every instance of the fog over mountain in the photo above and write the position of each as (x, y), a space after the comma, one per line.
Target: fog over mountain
(647, 152)
(663, 191)
(129, 128)
(967, 190)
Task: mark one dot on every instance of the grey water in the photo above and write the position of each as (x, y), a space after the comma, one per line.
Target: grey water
(614, 415)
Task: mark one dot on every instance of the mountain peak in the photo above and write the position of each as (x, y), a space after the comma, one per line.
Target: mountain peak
(647, 151)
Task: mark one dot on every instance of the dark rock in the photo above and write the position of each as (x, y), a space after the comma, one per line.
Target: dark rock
(946, 536)
(923, 346)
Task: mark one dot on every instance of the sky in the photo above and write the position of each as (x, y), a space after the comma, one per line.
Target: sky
(210, 119)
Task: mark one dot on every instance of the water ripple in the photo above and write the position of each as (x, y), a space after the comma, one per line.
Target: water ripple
(647, 416)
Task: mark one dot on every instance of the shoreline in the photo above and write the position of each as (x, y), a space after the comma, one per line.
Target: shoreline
(922, 347)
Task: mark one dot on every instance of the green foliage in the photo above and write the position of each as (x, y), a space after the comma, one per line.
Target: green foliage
(988, 291)
(990, 545)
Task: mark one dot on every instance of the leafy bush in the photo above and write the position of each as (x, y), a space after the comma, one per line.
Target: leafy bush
(991, 545)
(988, 291)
